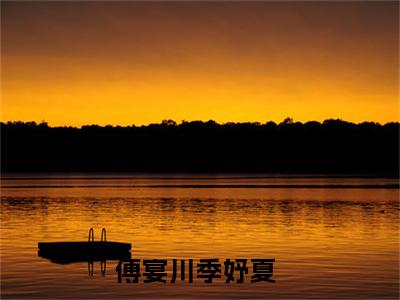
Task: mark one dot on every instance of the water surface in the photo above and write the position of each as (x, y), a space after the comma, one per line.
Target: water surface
(330, 237)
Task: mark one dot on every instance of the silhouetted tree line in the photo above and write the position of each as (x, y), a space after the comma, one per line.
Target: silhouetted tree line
(334, 146)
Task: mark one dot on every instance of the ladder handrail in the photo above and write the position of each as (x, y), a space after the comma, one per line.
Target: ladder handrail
(103, 231)
(91, 234)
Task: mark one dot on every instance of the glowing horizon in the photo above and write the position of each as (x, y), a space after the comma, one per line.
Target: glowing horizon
(127, 63)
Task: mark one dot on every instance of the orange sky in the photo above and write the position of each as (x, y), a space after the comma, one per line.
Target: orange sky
(74, 63)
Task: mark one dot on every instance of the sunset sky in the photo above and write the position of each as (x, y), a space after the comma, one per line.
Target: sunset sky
(74, 63)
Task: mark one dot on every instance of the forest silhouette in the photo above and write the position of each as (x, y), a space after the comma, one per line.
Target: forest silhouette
(333, 146)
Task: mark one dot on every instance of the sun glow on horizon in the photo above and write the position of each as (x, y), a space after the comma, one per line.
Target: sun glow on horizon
(140, 63)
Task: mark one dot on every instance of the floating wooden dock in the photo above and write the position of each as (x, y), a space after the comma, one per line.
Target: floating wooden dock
(66, 252)
(84, 247)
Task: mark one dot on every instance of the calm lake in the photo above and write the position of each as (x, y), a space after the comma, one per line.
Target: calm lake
(330, 237)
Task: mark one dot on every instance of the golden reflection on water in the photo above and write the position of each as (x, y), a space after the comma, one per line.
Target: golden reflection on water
(327, 242)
